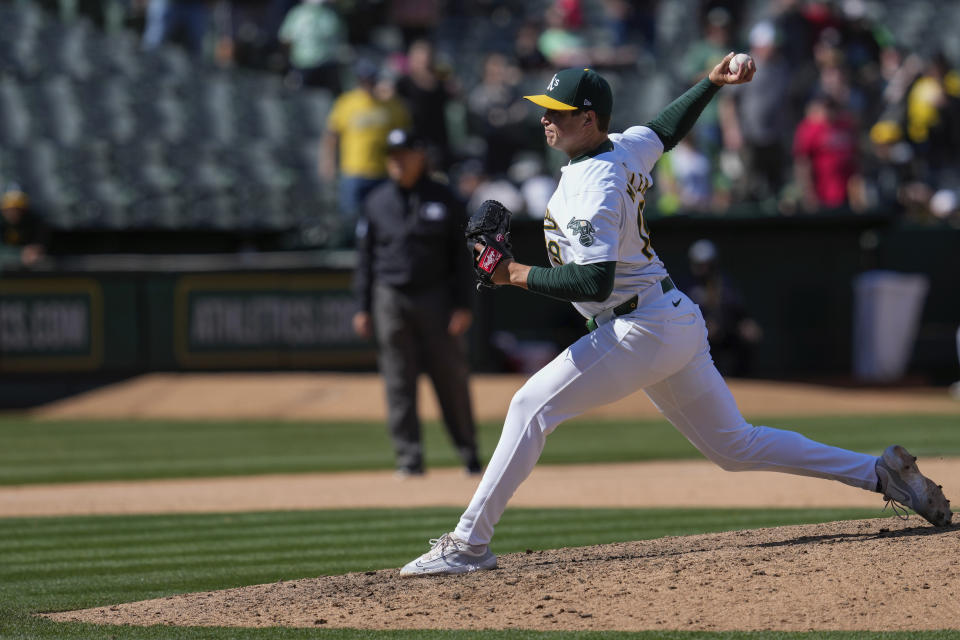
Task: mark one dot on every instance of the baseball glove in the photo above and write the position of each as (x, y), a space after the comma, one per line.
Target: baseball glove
(490, 227)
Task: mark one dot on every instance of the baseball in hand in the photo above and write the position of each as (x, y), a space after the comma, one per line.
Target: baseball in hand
(736, 61)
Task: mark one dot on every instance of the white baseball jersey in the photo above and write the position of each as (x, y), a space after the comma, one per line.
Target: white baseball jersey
(596, 215)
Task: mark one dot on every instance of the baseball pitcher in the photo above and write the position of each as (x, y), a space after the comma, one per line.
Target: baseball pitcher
(645, 333)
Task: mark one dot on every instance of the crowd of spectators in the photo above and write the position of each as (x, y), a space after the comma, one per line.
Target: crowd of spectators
(839, 116)
(835, 118)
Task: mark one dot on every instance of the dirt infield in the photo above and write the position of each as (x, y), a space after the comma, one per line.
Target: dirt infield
(330, 396)
(860, 575)
(691, 483)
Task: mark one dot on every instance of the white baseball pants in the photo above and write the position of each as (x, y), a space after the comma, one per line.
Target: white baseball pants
(662, 349)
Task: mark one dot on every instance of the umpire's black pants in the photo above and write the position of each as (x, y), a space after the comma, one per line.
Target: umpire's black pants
(412, 337)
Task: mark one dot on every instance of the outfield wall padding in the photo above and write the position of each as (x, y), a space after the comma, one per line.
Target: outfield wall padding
(795, 273)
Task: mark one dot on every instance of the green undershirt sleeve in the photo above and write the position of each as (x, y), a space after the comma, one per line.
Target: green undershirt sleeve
(677, 118)
(574, 282)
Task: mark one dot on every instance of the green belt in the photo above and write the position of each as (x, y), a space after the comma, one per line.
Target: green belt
(630, 305)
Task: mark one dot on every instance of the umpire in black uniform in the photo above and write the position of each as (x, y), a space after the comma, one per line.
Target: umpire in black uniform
(414, 287)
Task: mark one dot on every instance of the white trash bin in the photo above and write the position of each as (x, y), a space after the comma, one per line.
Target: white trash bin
(886, 314)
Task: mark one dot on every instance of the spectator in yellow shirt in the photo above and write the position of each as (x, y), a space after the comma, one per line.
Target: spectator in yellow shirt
(933, 120)
(355, 141)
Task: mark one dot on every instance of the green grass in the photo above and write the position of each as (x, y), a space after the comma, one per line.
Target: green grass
(65, 563)
(51, 564)
(69, 562)
(32, 630)
(36, 451)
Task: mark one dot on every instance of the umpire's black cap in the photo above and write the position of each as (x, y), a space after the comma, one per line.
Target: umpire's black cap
(404, 139)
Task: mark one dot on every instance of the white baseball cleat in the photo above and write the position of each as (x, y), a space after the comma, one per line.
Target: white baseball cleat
(449, 554)
(901, 482)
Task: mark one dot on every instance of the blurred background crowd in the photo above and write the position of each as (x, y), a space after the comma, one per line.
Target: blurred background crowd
(242, 114)
(145, 141)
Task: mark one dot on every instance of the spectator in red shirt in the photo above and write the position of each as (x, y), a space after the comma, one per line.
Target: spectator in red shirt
(825, 155)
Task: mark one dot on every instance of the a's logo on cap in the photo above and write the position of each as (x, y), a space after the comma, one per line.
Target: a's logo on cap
(554, 81)
(587, 103)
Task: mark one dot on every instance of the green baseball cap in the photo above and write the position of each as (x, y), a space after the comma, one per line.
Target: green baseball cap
(576, 88)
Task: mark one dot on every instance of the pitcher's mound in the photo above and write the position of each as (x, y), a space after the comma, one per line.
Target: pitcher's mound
(883, 574)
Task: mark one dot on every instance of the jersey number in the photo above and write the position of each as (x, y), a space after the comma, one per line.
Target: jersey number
(554, 250)
(639, 186)
(644, 232)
